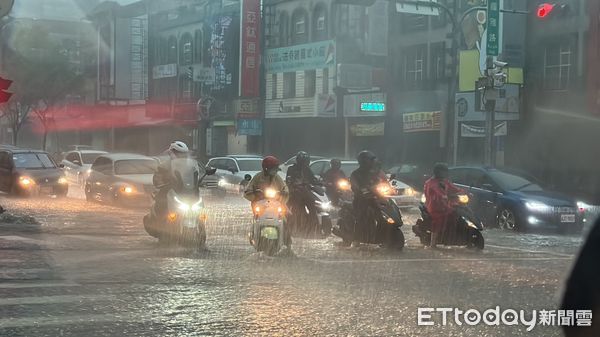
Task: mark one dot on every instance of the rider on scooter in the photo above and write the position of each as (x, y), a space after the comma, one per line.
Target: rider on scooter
(437, 190)
(331, 178)
(162, 178)
(362, 180)
(268, 177)
(299, 178)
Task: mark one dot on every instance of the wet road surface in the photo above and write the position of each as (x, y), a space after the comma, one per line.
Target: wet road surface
(91, 270)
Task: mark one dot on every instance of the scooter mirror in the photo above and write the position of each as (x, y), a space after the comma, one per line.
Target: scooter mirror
(247, 177)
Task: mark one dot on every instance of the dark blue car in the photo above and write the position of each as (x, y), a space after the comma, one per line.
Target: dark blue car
(516, 201)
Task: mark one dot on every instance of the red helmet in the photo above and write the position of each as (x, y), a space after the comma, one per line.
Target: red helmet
(270, 162)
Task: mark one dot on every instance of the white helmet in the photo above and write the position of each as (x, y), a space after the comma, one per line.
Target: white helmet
(179, 147)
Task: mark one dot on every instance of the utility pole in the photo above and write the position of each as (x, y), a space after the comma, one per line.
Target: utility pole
(495, 78)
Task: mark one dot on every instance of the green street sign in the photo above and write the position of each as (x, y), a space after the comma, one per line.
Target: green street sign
(493, 27)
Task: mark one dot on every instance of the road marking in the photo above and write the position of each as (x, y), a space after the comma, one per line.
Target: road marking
(531, 251)
(36, 285)
(54, 299)
(73, 319)
(444, 260)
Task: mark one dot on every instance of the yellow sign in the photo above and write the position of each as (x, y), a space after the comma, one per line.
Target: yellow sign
(470, 71)
(367, 130)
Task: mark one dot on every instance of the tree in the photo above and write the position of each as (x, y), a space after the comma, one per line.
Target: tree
(42, 77)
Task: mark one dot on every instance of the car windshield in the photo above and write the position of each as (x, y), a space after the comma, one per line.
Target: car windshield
(248, 165)
(512, 182)
(33, 161)
(135, 166)
(88, 158)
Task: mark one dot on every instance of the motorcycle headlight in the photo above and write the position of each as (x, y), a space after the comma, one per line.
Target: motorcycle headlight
(537, 206)
(26, 181)
(423, 199)
(127, 190)
(409, 192)
(62, 181)
(182, 205)
(197, 206)
(471, 224)
(270, 193)
(384, 189)
(326, 206)
(343, 184)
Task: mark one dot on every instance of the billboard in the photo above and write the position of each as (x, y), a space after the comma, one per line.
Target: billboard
(250, 49)
(422, 121)
(307, 56)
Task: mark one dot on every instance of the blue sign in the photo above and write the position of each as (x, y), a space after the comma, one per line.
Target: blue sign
(307, 56)
(372, 107)
(249, 127)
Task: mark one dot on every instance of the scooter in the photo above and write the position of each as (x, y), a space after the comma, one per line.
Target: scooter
(464, 231)
(269, 223)
(385, 219)
(184, 220)
(301, 219)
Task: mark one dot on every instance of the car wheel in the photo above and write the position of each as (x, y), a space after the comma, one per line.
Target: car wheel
(507, 219)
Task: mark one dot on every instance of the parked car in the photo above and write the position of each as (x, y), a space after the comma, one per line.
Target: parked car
(78, 163)
(514, 202)
(321, 165)
(121, 179)
(230, 172)
(26, 172)
(413, 174)
(283, 167)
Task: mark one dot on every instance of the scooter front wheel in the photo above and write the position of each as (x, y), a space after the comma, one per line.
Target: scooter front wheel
(476, 240)
(268, 246)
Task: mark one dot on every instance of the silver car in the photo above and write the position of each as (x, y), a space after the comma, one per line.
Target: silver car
(78, 163)
(231, 171)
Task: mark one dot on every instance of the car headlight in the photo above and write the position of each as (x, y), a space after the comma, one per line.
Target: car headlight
(127, 190)
(409, 192)
(222, 182)
(537, 206)
(62, 181)
(26, 181)
(463, 199)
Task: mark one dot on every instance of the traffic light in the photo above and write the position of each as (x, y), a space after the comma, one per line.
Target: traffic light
(4, 85)
(546, 10)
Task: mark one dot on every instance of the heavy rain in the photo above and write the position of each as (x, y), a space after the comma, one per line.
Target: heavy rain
(299, 168)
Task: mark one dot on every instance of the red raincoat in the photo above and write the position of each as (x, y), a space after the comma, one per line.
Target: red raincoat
(436, 194)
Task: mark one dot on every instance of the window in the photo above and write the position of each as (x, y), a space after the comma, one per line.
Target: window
(413, 22)
(250, 165)
(350, 20)
(319, 24)
(325, 81)
(5, 160)
(438, 61)
(172, 50)
(186, 49)
(198, 45)
(284, 32)
(32, 160)
(102, 165)
(458, 176)
(319, 167)
(310, 79)
(135, 166)
(89, 158)
(273, 86)
(414, 64)
(299, 24)
(72, 157)
(557, 67)
(289, 85)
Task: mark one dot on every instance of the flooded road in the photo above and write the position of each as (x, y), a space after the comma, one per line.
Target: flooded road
(87, 269)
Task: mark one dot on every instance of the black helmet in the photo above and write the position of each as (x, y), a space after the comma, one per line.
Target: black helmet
(440, 170)
(302, 158)
(366, 159)
(336, 163)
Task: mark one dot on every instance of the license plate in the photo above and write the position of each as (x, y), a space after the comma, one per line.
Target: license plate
(567, 218)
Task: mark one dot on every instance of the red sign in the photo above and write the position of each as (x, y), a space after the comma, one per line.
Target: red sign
(250, 49)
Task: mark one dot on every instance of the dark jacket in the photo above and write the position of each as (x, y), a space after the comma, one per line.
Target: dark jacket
(297, 175)
(332, 176)
(364, 179)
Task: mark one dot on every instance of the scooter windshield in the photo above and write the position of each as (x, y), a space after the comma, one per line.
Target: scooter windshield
(186, 173)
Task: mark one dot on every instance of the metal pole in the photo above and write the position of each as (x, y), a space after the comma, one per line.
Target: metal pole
(490, 106)
(346, 138)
